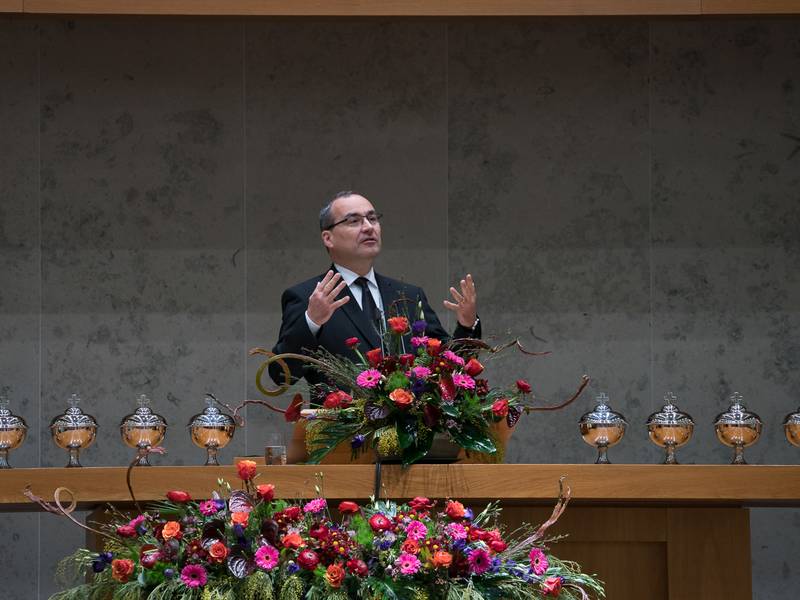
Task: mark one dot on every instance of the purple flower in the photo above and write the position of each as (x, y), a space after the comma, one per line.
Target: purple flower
(418, 386)
(468, 514)
(371, 378)
(169, 573)
(292, 567)
(194, 576)
(463, 381)
(98, 566)
(387, 540)
(357, 441)
(418, 327)
(220, 503)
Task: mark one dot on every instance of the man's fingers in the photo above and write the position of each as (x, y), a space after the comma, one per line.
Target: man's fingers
(340, 302)
(450, 305)
(337, 290)
(456, 295)
(326, 279)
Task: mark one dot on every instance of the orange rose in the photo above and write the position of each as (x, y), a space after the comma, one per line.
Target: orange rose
(441, 559)
(334, 576)
(266, 491)
(121, 569)
(240, 518)
(455, 510)
(218, 552)
(398, 324)
(410, 546)
(246, 469)
(434, 346)
(293, 540)
(401, 397)
(171, 529)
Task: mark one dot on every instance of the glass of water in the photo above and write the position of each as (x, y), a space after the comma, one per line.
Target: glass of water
(275, 449)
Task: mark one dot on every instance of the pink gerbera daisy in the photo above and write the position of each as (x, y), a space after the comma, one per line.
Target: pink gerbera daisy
(421, 372)
(539, 562)
(419, 341)
(453, 358)
(369, 378)
(208, 507)
(267, 557)
(456, 531)
(479, 561)
(407, 563)
(194, 576)
(463, 381)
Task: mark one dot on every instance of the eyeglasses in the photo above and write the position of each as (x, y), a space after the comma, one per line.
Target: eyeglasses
(355, 220)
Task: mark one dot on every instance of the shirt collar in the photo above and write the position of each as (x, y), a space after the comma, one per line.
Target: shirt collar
(350, 276)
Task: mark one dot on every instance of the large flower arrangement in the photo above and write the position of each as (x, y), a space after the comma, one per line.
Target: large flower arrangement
(396, 399)
(248, 545)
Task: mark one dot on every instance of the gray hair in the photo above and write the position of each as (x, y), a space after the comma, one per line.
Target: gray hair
(325, 219)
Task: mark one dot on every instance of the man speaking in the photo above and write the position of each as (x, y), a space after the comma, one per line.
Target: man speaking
(351, 299)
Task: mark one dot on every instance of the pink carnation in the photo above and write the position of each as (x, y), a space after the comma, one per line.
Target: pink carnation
(419, 341)
(316, 505)
(421, 372)
(267, 557)
(456, 531)
(407, 563)
(539, 562)
(464, 381)
(453, 358)
(416, 531)
(369, 378)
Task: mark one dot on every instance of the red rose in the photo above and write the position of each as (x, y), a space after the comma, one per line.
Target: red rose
(498, 545)
(523, 386)
(178, 496)
(374, 357)
(218, 552)
(378, 522)
(422, 503)
(434, 346)
(351, 343)
(308, 559)
(357, 567)
(473, 368)
(399, 325)
(337, 399)
(121, 569)
(126, 531)
(455, 510)
(334, 576)
(500, 408)
(476, 533)
(292, 413)
(348, 507)
(406, 359)
(266, 491)
(246, 469)
(552, 586)
(401, 397)
(292, 513)
(318, 531)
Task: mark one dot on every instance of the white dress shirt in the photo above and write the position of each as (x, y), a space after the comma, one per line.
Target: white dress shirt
(355, 291)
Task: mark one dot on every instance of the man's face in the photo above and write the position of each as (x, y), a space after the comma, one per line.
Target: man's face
(352, 242)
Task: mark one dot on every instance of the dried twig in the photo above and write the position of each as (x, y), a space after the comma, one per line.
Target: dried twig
(584, 382)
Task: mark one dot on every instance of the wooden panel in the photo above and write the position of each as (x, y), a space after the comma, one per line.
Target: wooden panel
(596, 524)
(710, 548)
(732, 7)
(613, 484)
(14, 6)
(368, 7)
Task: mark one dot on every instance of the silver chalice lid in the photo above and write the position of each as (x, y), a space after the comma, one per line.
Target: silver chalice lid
(602, 415)
(73, 417)
(738, 415)
(143, 417)
(8, 420)
(670, 415)
(792, 418)
(212, 416)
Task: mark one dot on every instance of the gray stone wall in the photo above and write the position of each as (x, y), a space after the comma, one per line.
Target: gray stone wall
(625, 192)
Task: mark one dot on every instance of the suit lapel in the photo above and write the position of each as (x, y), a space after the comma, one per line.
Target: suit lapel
(353, 312)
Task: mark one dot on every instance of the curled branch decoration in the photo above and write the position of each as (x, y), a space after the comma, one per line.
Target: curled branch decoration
(129, 472)
(281, 360)
(60, 510)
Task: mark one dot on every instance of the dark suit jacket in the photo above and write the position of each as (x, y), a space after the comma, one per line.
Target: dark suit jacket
(349, 321)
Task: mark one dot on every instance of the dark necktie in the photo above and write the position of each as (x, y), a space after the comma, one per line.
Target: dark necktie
(368, 306)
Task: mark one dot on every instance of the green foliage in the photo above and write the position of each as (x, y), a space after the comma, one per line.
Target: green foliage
(292, 589)
(472, 438)
(257, 587)
(395, 381)
(71, 570)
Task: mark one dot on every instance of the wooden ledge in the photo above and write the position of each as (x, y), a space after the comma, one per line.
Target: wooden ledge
(709, 485)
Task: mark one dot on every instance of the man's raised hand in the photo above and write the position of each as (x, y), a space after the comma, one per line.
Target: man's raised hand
(322, 302)
(466, 302)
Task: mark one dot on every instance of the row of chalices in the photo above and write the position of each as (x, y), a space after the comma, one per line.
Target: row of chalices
(143, 429)
(671, 428)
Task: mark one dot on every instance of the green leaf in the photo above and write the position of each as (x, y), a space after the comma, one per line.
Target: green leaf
(418, 451)
(450, 409)
(407, 431)
(472, 438)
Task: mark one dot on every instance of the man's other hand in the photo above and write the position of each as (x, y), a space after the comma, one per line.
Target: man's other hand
(466, 302)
